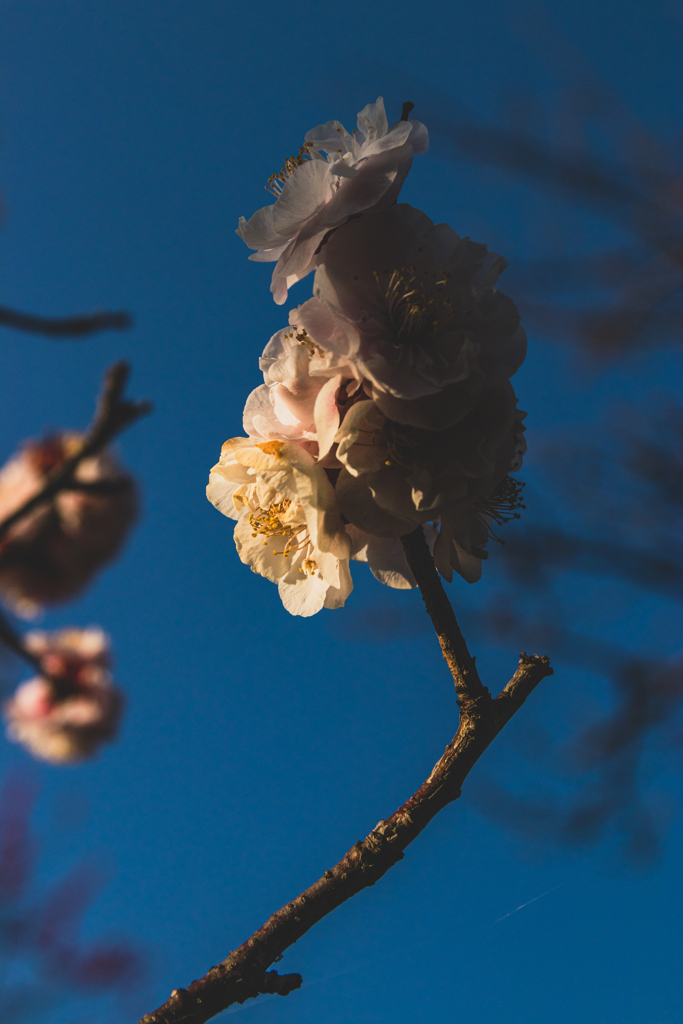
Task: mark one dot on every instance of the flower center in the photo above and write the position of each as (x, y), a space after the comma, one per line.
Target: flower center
(268, 524)
(418, 304)
(276, 182)
(501, 507)
(305, 339)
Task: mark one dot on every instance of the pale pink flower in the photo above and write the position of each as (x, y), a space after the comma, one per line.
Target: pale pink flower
(288, 528)
(360, 170)
(67, 714)
(298, 399)
(411, 307)
(52, 553)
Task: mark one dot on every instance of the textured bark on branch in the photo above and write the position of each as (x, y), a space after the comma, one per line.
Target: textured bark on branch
(244, 973)
(64, 326)
(113, 414)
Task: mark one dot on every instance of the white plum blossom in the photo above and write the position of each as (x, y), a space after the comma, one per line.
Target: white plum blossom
(386, 405)
(50, 554)
(396, 477)
(296, 401)
(315, 193)
(288, 528)
(65, 715)
(301, 394)
(412, 308)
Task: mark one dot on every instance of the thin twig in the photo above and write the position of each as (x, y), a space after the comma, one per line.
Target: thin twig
(113, 414)
(244, 974)
(66, 326)
(463, 667)
(10, 639)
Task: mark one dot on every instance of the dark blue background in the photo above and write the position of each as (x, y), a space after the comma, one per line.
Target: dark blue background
(258, 747)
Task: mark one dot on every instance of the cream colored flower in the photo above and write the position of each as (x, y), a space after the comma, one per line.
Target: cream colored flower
(288, 528)
(52, 553)
(66, 719)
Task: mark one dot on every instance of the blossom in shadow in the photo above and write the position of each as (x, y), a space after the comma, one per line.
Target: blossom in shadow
(52, 553)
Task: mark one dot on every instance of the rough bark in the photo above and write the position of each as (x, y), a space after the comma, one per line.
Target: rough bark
(244, 973)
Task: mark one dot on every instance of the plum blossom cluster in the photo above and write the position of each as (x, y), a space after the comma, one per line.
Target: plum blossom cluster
(386, 402)
(49, 552)
(65, 713)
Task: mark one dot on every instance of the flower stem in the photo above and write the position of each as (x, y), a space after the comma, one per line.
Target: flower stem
(468, 685)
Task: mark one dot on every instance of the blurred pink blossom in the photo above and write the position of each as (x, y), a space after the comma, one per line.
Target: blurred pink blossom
(65, 715)
(53, 552)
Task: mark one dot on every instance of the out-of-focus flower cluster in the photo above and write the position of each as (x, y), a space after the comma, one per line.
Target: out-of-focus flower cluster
(386, 403)
(66, 713)
(44, 958)
(52, 553)
(47, 556)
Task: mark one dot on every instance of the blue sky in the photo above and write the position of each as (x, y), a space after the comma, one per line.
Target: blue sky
(258, 747)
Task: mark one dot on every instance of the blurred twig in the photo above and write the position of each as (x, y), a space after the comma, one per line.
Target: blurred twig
(67, 326)
(113, 414)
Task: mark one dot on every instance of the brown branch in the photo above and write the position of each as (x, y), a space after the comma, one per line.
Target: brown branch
(113, 414)
(66, 326)
(243, 974)
(463, 667)
(10, 639)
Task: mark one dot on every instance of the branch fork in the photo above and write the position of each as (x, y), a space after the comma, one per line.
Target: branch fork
(244, 975)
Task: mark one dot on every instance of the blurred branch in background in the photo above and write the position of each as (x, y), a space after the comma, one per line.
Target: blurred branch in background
(67, 326)
(593, 157)
(45, 967)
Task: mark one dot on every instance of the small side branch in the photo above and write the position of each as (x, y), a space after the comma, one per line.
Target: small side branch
(113, 414)
(10, 639)
(468, 685)
(243, 974)
(66, 326)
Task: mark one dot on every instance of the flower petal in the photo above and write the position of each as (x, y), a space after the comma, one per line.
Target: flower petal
(302, 594)
(327, 415)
